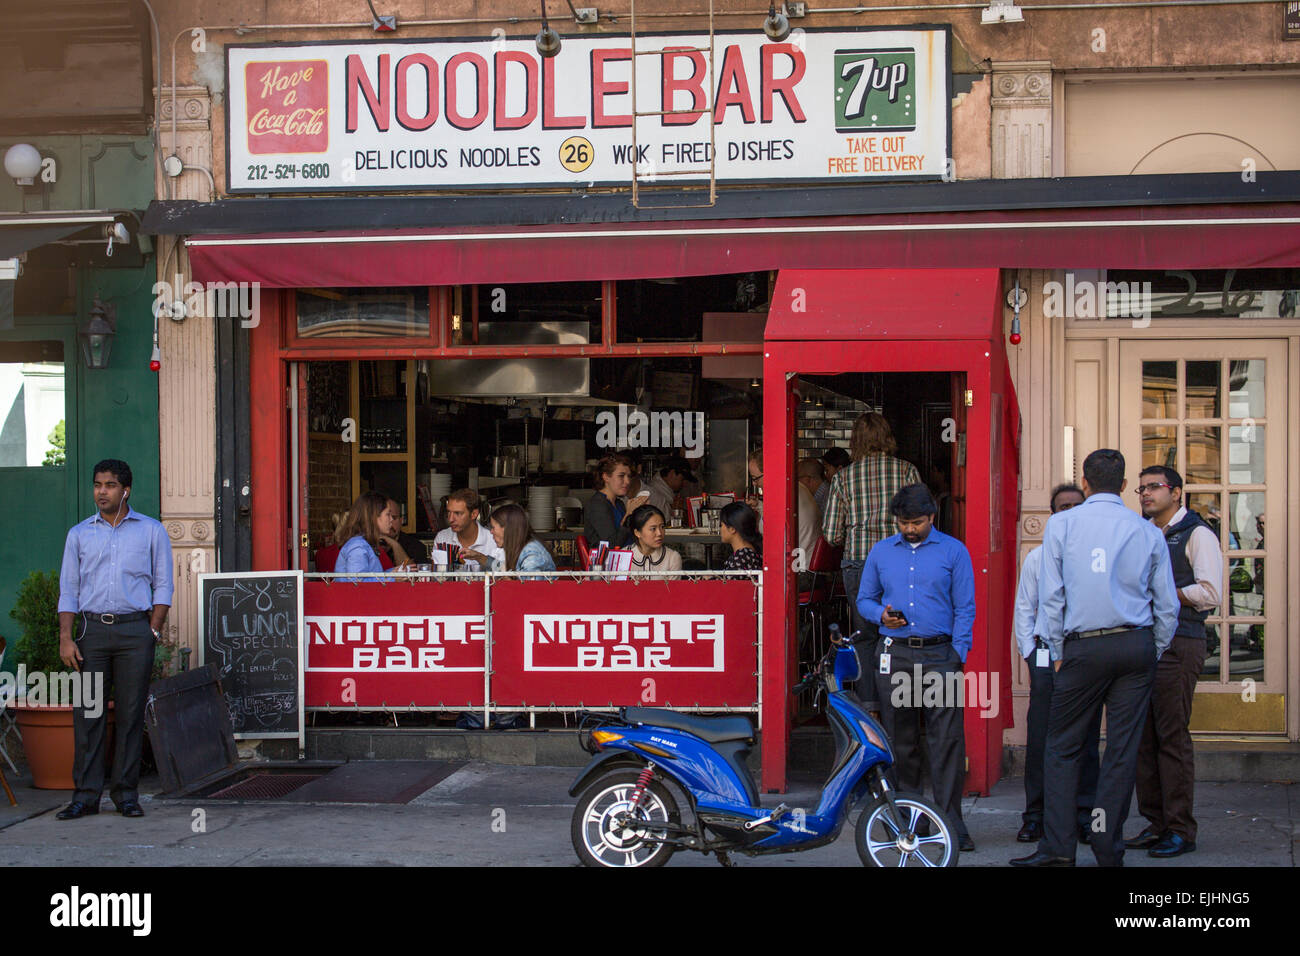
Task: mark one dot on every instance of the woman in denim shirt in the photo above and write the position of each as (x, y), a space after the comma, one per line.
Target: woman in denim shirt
(512, 533)
(359, 536)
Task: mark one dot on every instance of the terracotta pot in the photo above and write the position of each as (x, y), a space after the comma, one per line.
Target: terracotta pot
(50, 746)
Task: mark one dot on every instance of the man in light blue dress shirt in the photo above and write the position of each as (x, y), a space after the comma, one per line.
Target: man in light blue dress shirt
(115, 588)
(919, 586)
(1107, 610)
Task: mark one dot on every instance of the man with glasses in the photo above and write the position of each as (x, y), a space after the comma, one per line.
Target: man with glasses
(1107, 609)
(1166, 766)
(1034, 650)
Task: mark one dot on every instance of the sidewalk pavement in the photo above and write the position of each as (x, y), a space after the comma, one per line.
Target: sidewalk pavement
(496, 815)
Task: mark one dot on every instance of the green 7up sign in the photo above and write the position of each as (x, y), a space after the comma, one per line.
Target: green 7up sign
(875, 90)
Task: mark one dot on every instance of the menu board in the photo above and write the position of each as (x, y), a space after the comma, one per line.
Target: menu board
(250, 625)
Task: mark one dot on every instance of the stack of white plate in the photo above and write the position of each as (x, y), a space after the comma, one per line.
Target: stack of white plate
(541, 507)
(439, 485)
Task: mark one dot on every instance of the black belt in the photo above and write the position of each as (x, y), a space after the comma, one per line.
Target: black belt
(919, 641)
(111, 619)
(1102, 632)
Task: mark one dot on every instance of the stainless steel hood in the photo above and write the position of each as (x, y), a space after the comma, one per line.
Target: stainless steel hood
(567, 381)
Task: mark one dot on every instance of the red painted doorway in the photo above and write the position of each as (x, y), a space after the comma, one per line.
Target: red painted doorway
(917, 323)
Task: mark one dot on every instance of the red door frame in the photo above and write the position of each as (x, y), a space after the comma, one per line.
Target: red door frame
(983, 735)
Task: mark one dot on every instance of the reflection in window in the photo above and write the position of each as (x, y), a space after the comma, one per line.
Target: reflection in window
(32, 426)
(363, 312)
(1159, 390)
(1159, 445)
(1246, 454)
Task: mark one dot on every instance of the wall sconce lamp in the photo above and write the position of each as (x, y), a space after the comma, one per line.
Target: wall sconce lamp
(23, 163)
(548, 41)
(777, 25)
(381, 24)
(97, 334)
(1002, 11)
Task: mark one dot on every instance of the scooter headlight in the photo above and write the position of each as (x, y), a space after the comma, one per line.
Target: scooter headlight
(602, 737)
(876, 737)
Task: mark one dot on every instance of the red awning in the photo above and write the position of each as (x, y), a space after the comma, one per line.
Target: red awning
(900, 304)
(1156, 237)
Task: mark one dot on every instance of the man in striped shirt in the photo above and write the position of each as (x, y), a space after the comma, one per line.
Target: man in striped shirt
(857, 514)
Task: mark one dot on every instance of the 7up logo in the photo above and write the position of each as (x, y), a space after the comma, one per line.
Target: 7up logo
(875, 90)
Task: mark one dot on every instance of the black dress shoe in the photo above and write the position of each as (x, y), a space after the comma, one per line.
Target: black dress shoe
(130, 808)
(965, 843)
(1145, 840)
(76, 810)
(1030, 833)
(1171, 844)
(1042, 859)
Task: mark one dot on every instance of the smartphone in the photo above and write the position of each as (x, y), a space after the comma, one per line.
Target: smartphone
(900, 615)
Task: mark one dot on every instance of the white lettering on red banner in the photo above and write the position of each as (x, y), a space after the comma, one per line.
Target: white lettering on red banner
(623, 642)
(395, 644)
(825, 105)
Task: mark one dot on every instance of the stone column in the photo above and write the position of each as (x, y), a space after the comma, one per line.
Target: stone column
(1021, 104)
(187, 379)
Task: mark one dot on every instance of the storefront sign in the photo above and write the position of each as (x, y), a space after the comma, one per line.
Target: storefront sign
(395, 644)
(825, 105)
(1291, 20)
(595, 643)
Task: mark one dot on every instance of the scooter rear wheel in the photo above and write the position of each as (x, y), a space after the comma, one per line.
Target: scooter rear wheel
(600, 840)
(882, 840)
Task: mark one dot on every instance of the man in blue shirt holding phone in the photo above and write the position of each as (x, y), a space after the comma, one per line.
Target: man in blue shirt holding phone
(920, 587)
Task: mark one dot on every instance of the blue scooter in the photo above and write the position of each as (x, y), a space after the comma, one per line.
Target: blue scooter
(646, 758)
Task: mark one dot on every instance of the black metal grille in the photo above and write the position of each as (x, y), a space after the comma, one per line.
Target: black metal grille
(264, 786)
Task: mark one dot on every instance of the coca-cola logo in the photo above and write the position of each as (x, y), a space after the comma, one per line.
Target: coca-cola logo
(288, 106)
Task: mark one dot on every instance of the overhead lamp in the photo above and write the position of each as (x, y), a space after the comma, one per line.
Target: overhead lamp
(777, 25)
(1001, 11)
(753, 383)
(23, 163)
(548, 41)
(97, 334)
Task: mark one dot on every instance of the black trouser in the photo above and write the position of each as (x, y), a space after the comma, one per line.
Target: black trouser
(123, 653)
(1166, 761)
(945, 736)
(1115, 671)
(1041, 682)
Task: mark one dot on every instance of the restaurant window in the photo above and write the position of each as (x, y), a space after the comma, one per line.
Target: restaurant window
(32, 406)
(363, 312)
(1140, 295)
(722, 308)
(539, 313)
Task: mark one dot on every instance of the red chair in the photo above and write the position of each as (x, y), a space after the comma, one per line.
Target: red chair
(584, 552)
(825, 560)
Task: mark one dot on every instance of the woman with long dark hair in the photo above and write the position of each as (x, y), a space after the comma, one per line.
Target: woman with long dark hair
(605, 514)
(739, 529)
(514, 535)
(359, 535)
(649, 556)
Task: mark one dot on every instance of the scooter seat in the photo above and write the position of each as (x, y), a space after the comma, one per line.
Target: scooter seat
(715, 730)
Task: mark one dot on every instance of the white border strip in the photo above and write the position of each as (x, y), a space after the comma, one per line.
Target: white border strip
(741, 231)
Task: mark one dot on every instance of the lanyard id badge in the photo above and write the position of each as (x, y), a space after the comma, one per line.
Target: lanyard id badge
(885, 656)
(1043, 658)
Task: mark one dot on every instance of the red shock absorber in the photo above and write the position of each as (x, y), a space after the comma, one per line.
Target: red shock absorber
(642, 782)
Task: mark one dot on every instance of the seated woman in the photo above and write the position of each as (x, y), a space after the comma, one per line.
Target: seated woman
(513, 534)
(605, 515)
(649, 556)
(358, 536)
(740, 530)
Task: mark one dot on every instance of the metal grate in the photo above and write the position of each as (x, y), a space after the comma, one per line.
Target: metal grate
(264, 786)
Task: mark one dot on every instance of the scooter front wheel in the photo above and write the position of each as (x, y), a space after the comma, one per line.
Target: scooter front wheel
(917, 835)
(608, 831)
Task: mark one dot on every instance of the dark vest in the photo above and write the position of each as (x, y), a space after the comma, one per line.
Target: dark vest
(1191, 622)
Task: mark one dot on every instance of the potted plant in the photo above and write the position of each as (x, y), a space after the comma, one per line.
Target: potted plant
(47, 730)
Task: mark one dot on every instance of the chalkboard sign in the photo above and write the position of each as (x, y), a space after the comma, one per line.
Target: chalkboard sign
(250, 622)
